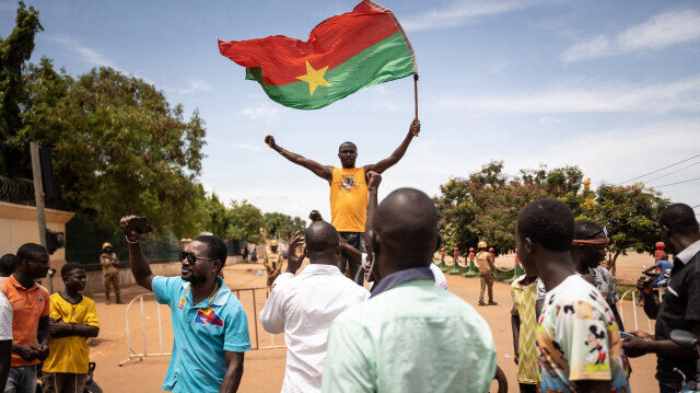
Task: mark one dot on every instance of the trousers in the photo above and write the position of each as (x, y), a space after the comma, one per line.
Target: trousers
(112, 284)
(486, 283)
(21, 380)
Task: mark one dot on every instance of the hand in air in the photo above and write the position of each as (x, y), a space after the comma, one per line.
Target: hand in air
(373, 180)
(270, 141)
(415, 127)
(294, 261)
(133, 227)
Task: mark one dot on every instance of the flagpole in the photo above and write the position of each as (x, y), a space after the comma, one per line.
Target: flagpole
(415, 94)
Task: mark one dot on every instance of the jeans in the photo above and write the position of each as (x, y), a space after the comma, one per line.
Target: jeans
(21, 380)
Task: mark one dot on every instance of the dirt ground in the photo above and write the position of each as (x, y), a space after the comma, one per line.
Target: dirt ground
(264, 368)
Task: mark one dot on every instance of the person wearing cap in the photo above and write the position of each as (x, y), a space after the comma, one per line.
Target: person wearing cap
(110, 272)
(588, 251)
(273, 263)
(485, 262)
(680, 305)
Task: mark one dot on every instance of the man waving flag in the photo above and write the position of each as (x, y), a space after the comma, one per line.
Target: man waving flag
(342, 55)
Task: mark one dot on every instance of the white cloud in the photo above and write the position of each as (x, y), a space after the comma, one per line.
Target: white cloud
(678, 96)
(615, 155)
(596, 47)
(193, 87)
(660, 31)
(261, 111)
(458, 13)
(88, 55)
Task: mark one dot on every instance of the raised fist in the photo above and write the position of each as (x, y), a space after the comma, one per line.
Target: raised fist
(415, 127)
(374, 179)
(134, 226)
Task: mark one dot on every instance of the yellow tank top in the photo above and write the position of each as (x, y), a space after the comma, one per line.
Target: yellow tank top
(349, 198)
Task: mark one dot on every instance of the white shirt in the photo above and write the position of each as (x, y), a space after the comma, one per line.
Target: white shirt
(689, 252)
(440, 280)
(5, 318)
(303, 307)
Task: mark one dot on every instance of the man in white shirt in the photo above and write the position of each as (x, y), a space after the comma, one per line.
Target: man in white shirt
(304, 306)
(5, 339)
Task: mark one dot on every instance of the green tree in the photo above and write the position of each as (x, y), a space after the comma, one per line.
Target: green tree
(485, 205)
(15, 51)
(630, 214)
(119, 146)
(244, 222)
(280, 225)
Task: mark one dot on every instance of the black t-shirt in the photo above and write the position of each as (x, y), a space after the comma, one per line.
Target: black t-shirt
(680, 309)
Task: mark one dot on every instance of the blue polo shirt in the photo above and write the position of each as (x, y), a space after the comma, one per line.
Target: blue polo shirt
(202, 333)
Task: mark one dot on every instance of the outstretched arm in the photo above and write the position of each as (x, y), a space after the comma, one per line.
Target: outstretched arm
(139, 265)
(388, 162)
(320, 170)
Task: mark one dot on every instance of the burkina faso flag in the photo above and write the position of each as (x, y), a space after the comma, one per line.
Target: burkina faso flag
(342, 55)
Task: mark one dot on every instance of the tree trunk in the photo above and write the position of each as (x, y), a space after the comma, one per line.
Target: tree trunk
(612, 262)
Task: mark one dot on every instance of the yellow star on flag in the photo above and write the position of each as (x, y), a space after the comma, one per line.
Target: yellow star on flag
(314, 78)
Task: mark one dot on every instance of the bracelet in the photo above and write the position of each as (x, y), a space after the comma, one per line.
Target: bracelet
(129, 241)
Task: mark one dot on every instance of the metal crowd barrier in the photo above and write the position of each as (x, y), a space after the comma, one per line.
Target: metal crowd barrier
(632, 293)
(260, 341)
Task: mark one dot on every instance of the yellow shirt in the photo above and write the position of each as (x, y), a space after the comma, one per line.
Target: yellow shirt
(349, 199)
(524, 298)
(70, 354)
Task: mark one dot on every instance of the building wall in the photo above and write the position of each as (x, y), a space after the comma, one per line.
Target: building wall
(18, 225)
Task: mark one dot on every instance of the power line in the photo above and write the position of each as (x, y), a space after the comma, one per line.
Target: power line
(679, 182)
(672, 173)
(660, 169)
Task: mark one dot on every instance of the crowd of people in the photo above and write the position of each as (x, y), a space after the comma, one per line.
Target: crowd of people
(371, 312)
(41, 334)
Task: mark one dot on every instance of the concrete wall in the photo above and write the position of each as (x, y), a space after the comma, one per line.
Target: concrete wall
(18, 225)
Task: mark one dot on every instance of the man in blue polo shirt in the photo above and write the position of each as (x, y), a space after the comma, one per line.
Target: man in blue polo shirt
(210, 328)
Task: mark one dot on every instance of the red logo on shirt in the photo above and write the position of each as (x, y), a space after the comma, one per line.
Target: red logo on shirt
(208, 316)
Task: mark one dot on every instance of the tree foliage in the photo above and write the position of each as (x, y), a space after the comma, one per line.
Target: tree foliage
(485, 206)
(118, 145)
(280, 225)
(15, 51)
(630, 215)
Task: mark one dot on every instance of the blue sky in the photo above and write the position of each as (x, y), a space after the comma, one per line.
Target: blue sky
(613, 87)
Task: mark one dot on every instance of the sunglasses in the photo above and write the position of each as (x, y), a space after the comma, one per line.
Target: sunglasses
(191, 258)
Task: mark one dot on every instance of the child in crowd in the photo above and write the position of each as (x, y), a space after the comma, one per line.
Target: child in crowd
(73, 320)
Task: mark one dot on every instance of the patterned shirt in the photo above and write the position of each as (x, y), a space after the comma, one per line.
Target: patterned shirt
(578, 339)
(524, 302)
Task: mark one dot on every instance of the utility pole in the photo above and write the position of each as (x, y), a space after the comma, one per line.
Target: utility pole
(39, 198)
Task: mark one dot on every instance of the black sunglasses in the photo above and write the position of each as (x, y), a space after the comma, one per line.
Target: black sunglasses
(191, 258)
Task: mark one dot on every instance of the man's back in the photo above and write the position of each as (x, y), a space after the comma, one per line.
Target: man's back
(412, 338)
(303, 307)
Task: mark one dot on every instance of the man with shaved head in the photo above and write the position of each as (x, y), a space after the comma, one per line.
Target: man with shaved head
(410, 334)
(303, 306)
(349, 195)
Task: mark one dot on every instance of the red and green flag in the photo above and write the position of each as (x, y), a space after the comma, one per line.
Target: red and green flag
(342, 55)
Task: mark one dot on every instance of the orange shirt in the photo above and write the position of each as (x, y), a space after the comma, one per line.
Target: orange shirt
(349, 199)
(28, 306)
